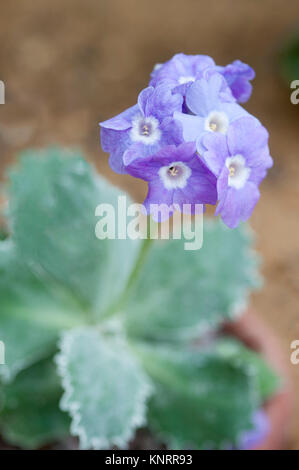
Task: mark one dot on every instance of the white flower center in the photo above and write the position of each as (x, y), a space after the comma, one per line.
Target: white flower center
(157, 67)
(185, 79)
(238, 172)
(217, 121)
(145, 130)
(175, 175)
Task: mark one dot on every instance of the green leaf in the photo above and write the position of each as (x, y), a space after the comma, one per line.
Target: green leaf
(105, 389)
(182, 294)
(53, 197)
(53, 270)
(289, 58)
(31, 417)
(201, 399)
(32, 313)
(268, 382)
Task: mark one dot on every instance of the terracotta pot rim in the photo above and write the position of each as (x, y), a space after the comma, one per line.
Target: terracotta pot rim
(258, 336)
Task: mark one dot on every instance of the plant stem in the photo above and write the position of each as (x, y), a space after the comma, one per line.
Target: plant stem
(116, 308)
(140, 261)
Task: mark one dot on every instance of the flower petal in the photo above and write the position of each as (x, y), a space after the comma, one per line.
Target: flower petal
(237, 74)
(172, 132)
(159, 201)
(143, 99)
(203, 95)
(234, 111)
(181, 66)
(193, 126)
(238, 204)
(216, 151)
(162, 103)
(246, 136)
(115, 143)
(122, 121)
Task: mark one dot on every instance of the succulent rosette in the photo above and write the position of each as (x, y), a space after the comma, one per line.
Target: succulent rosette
(191, 141)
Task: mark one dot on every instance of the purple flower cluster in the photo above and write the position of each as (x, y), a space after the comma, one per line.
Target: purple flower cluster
(253, 438)
(191, 140)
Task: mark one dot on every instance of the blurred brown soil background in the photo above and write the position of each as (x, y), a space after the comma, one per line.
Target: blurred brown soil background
(69, 64)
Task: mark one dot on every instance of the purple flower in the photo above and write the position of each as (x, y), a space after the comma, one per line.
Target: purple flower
(177, 180)
(210, 113)
(143, 128)
(240, 161)
(261, 427)
(237, 76)
(180, 71)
